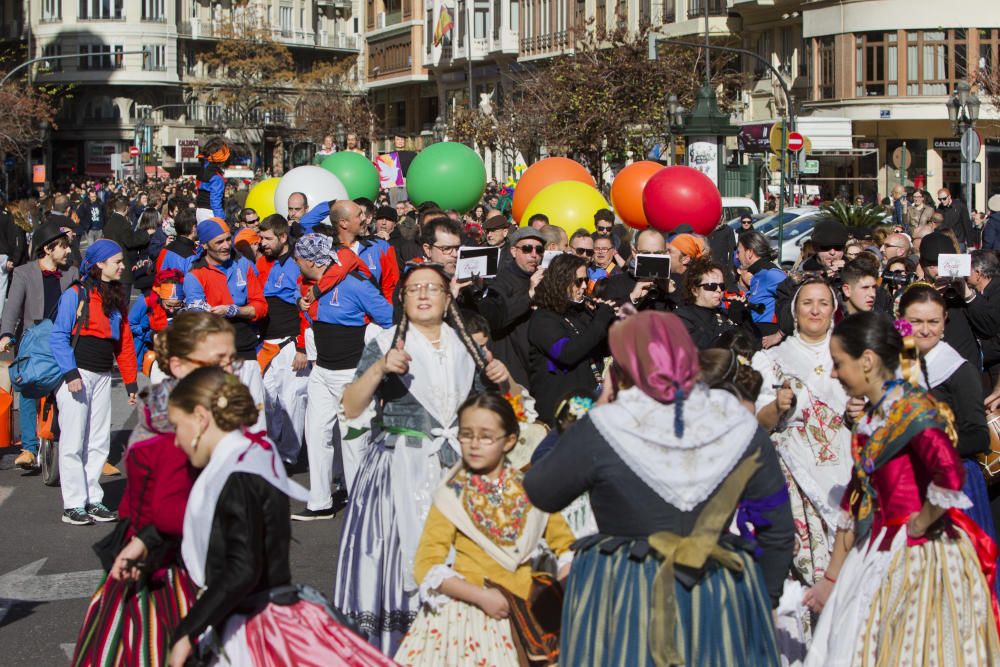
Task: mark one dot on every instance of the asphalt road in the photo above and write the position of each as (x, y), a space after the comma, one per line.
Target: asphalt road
(48, 570)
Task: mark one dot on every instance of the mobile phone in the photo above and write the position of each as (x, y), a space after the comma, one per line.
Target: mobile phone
(651, 267)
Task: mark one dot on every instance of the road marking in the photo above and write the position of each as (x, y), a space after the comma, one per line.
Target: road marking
(5, 492)
(26, 585)
(68, 650)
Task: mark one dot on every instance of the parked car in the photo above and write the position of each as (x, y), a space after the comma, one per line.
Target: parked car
(733, 208)
(794, 234)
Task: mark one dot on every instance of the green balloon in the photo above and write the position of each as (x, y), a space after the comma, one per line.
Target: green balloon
(356, 172)
(448, 173)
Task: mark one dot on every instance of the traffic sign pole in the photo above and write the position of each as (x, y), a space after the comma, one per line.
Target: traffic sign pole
(781, 191)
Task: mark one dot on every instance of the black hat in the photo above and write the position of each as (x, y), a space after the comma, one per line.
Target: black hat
(386, 213)
(829, 233)
(496, 221)
(46, 234)
(935, 244)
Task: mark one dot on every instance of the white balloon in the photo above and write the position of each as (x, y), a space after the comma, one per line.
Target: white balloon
(316, 183)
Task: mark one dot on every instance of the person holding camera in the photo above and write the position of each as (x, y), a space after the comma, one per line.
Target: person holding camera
(642, 292)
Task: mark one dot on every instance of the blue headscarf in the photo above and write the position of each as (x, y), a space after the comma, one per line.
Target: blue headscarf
(99, 251)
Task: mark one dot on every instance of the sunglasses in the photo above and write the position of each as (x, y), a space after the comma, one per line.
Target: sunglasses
(581, 252)
(604, 230)
(712, 287)
(580, 282)
(531, 249)
(746, 222)
(828, 248)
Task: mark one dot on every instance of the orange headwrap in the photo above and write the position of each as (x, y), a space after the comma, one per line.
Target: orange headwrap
(220, 155)
(689, 245)
(247, 235)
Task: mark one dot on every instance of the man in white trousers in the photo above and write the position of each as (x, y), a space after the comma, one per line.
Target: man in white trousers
(282, 357)
(339, 299)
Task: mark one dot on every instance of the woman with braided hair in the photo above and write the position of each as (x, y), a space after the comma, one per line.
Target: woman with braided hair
(910, 578)
(408, 387)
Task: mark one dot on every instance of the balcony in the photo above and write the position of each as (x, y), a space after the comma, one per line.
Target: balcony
(715, 8)
(505, 42)
(199, 29)
(334, 4)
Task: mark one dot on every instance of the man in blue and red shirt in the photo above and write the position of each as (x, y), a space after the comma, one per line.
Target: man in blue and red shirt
(227, 285)
(181, 252)
(281, 357)
(340, 301)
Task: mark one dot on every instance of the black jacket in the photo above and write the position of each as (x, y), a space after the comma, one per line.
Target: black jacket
(510, 331)
(963, 393)
(618, 288)
(956, 218)
(247, 551)
(405, 248)
(91, 215)
(704, 324)
(567, 351)
(13, 239)
(120, 230)
(984, 316)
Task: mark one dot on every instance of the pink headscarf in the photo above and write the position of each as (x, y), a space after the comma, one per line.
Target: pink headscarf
(657, 353)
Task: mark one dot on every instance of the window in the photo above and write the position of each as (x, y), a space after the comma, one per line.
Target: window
(302, 19)
(102, 9)
(429, 28)
(101, 57)
(479, 27)
(764, 51)
(497, 18)
(669, 11)
(49, 51)
(989, 41)
(190, 59)
(51, 11)
(286, 21)
(876, 64)
(602, 15)
(826, 68)
(154, 10)
(156, 61)
(935, 61)
(545, 14)
(462, 23)
(515, 16)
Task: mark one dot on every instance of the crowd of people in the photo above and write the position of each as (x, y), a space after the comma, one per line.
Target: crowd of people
(573, 461)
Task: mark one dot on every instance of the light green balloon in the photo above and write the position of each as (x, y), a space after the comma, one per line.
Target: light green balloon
(355, 171)
(449, 174)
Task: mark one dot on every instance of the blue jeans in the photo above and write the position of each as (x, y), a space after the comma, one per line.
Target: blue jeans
(28, 411)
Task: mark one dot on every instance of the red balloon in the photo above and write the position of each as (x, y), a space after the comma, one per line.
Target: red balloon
(626, 192)
(678, 195)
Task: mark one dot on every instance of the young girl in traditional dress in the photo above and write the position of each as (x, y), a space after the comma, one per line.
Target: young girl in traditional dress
(482, 512)
(236, 540)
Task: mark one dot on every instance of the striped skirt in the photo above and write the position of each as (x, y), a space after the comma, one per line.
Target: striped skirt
(725, 619)
(131, 625)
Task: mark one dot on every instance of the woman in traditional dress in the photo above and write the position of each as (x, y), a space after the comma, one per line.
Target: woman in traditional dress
(666, 463)
(237, 533)
(907, 572)
(130, 620)
(408, 386)
(803, 406)
(482, 512)
(954, 382)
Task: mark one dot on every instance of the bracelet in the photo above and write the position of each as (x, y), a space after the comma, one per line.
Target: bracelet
(832, 580)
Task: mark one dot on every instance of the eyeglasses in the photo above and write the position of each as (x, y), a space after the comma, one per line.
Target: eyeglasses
(604, 230)
(580, 282)
(447, 249)
(828, 248)
(712, 287)
(584, 252)
(531, 249)
(433, 289)
(230, 364)
(467, 438)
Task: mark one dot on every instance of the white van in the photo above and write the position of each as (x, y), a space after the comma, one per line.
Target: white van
(735, 207)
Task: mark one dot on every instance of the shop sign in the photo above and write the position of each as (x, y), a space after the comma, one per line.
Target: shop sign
(950, 144)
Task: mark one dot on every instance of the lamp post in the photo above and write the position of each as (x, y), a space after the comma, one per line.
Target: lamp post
(439, 129)
(675, 121)
(963, 112)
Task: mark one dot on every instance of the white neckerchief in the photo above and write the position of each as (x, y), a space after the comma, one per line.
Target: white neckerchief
(942, 362)
(226, 460)
(682, 471)
(439, 378)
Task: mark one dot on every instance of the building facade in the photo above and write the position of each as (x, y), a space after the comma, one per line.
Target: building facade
(136, 65)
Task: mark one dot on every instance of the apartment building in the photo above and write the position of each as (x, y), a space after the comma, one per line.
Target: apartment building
(122, 98)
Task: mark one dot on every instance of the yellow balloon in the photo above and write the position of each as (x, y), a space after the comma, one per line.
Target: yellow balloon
(261, 197)
(568, 204)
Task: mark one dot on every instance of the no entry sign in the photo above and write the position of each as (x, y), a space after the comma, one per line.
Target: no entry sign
(795, 142)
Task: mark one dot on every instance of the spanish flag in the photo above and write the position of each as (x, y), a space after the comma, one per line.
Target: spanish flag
(444, 25)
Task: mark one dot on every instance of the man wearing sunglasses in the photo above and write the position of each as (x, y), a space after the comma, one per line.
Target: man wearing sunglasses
(829, 237)
(582, 244)
(604, 227)
(955, 217)
(644, 294)
(516, 287)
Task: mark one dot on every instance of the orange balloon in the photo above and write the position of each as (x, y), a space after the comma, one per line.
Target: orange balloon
(626, 192)
(543, 174)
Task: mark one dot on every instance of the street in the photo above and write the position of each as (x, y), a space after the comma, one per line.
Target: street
(48, 569)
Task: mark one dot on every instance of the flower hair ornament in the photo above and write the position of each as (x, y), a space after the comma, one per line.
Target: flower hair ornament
(909, 364)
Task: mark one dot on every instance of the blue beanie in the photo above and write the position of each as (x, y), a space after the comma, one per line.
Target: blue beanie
(211, 229)
(99, 251)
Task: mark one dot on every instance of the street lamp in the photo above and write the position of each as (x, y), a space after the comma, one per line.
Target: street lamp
(439, 129)
(963, 112)
(341, 136)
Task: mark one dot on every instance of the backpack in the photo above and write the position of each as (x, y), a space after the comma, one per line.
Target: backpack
(35, 372)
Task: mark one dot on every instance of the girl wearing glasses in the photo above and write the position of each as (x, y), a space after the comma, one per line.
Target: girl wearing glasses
(567, 335)
(482, 512)
(407, 390)
(805, 409)
(132, 615)
(702, 313)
